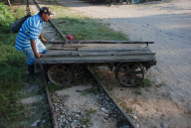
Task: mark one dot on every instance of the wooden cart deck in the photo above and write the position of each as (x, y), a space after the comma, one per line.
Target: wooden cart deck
(97, 53)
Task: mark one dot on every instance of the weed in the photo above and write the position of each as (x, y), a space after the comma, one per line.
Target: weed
(147, 83)
(138, 92)
(90, 111)
(129, 110)
(124, 106)
(88, 91)
(86, 120)
(53, 87)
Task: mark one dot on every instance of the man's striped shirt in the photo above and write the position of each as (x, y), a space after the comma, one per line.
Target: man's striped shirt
(30, 30)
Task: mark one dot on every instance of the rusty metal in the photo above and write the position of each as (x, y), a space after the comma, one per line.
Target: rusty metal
(129, 74)
(44, 84)
(64, 75)
(60, 75)
(78, 71)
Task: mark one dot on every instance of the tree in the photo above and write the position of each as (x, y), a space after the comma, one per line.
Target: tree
(9, 2)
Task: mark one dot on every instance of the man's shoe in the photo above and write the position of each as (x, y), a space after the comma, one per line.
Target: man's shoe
(31, 69)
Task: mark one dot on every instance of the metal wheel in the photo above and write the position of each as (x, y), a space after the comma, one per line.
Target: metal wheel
(129, 75)
(78, 72)
(60, 75)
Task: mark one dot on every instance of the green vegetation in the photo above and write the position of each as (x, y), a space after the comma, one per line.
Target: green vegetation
(93, 90)
(147, 83)
(6, 16)
(83, 28)
(88, 29)
(90, 111)
(86, 120)
(53, 87)
(12, 78)
(11, 71)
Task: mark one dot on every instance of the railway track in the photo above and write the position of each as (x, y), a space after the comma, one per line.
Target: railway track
(60, 111)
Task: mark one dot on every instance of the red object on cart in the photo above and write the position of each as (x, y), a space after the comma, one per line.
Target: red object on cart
(70, 37)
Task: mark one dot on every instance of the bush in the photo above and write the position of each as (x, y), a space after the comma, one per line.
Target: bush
(6, 17)
(11, 71)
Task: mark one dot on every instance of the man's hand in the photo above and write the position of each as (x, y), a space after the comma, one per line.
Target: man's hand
(38, 55)
(42, 38)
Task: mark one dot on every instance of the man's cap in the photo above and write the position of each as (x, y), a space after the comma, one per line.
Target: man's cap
(45, 10)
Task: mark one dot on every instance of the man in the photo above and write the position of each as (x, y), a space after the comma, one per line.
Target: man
(28, 40)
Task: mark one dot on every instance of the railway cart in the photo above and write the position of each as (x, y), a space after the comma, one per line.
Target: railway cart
(129, 60)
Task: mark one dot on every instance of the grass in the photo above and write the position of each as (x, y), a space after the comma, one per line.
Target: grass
(53, 87)
(91, 111)
(88, 91)
(86, 120)
(125, 107)
(83, 28)
(147, 82)
(11, 75)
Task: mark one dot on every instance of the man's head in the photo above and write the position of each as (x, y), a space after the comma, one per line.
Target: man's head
(45, 13)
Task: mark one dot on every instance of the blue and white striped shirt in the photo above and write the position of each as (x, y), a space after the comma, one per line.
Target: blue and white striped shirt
(30, 30)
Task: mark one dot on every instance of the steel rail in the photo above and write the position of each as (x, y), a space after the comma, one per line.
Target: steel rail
(45, 86)
(114, 101)
(54, 122)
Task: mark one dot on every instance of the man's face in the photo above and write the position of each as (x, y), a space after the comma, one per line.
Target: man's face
(45, 17)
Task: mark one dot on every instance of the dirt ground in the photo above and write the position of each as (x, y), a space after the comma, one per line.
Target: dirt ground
(167, 104)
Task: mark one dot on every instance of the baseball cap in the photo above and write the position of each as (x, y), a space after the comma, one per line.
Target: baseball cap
(45, 10)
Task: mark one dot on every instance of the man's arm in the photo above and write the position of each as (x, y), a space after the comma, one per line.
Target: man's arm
(33, 45)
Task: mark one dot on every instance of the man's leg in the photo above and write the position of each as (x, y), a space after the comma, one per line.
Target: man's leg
(30, 60)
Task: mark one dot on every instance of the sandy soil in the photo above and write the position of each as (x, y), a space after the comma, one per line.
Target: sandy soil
(168, 24)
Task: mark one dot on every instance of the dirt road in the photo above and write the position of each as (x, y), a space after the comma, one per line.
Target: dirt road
(168, 24)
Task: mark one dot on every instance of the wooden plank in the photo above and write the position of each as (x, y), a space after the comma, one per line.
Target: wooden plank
(112, 49)
(96, 59)
(115, 53)
(94, 46)
(60, 53)
(63, 46)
